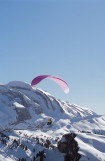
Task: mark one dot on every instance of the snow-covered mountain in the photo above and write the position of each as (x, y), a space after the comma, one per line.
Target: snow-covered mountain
(24, 114)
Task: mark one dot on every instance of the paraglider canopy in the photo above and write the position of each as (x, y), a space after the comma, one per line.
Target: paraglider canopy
(58, 80)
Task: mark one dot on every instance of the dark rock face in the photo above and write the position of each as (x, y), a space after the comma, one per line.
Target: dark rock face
(62, 146)
(69, 146)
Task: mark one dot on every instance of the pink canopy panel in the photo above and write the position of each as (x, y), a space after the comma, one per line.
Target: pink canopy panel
(58, 80)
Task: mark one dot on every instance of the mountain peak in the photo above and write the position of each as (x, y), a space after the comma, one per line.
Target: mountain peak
(19, 103)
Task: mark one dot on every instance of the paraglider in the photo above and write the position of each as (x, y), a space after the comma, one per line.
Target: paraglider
(58, 80)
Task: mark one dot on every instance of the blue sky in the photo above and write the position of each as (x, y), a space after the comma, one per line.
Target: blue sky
(65, 38)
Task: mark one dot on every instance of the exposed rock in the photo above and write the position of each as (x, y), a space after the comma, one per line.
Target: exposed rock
(69, 146)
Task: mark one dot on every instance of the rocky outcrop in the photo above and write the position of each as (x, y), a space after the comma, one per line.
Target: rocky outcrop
(69, 146)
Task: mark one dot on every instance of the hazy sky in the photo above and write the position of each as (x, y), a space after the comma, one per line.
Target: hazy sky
(65, 38)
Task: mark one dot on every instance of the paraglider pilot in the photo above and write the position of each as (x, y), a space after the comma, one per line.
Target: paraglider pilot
(49, 122)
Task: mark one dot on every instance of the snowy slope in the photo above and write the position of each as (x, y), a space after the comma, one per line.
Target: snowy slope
(24, 113)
